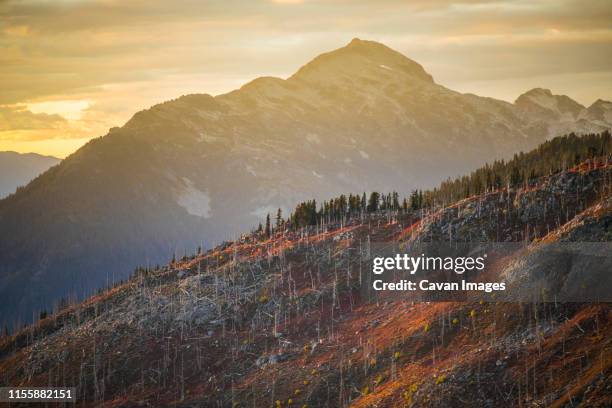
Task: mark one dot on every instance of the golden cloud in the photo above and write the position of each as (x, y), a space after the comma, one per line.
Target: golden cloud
(19, 118)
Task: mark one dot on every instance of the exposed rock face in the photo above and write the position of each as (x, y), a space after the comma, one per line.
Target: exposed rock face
(201, 168)
(600, 112)
(546, 104)
(560, 114)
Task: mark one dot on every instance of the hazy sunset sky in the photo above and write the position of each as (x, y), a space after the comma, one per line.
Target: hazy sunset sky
(71, 69)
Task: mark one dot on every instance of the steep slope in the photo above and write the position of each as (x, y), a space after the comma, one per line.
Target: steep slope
(600, 112)
(17, 169)
(284, 321)
(202, 168)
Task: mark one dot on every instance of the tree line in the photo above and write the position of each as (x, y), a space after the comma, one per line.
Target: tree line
(553, 156)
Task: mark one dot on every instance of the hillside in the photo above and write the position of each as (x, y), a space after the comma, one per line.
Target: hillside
(285, 321)
(17, 170)
(201, 169)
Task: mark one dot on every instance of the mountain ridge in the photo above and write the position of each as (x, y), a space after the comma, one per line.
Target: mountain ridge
(200, 168)
(18, 169)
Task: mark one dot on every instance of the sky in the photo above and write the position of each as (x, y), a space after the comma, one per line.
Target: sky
(72, 69)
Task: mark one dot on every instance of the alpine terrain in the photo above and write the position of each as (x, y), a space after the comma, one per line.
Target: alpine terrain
(200, 169)
(281, 318)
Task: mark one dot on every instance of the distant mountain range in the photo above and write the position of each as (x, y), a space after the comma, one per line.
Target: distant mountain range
(199, 169)
(18, 169)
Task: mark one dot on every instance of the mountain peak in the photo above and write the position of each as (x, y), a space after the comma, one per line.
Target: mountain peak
(367, 44)
(356, 41)
(538, 91)
(541, 98)
(599, 103)
(600, 110)
(359, 59)
(360, 118)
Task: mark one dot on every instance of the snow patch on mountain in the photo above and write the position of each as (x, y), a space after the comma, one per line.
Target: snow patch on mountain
(204, 137)
(313, 138)
(194, 201)
(314, 173)
(544, 99)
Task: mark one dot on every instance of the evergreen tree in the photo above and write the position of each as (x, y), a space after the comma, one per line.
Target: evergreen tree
(268, 230)
(395, 203)
(279, 219)
(373, 202)
(414, 200)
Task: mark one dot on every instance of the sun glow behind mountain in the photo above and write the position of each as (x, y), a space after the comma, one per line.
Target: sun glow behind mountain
(70, 70)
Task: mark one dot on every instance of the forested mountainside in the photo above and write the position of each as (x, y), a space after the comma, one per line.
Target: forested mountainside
(281, 319)
(200, 169)
(17, 170)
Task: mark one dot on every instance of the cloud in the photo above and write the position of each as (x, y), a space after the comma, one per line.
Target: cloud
(20, 124)
(71, 47)
(19, 118)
